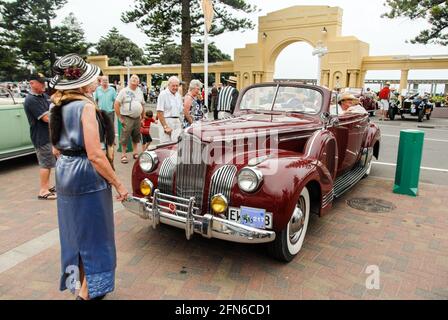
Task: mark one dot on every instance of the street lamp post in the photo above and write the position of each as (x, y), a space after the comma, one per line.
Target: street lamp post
(128, 64)
(320, 51)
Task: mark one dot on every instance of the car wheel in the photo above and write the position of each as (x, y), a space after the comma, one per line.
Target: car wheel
(288, 242)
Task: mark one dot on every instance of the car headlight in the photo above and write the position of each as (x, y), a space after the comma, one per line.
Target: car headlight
(146, 187)
(148, 161)
(219, 204)
(250, 179)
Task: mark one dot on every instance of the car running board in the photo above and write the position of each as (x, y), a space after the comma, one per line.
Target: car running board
(348, 180)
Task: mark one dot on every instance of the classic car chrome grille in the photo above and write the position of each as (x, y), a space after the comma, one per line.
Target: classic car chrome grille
(191, 169)
(222, 181)
(165, 183)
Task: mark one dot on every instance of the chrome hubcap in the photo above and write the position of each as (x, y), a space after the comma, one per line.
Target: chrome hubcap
(297, 222)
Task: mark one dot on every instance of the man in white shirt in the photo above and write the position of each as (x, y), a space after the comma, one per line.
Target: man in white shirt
(129, 107)
(169, 109)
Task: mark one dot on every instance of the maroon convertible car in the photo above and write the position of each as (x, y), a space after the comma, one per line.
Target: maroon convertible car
(257, 177)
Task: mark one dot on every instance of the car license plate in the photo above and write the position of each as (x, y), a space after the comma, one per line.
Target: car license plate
(251, 217)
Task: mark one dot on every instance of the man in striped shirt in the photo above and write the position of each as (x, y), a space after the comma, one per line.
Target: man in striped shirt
(227, 99)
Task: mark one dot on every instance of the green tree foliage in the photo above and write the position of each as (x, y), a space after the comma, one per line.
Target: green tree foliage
(184, 19)
(435, 12)
(28, 32)
(118, 47)
(171, 54)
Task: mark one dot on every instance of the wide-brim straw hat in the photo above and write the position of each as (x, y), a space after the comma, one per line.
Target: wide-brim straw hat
(347, 96)
(72, 72)
(232, 80)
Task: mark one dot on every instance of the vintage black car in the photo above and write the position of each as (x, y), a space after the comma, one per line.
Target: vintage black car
(417, 105)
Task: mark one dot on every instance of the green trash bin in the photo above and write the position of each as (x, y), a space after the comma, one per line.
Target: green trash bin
(129, 147)
(409, 161)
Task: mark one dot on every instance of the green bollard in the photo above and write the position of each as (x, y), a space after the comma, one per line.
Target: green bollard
(129, 147)
(410, 154)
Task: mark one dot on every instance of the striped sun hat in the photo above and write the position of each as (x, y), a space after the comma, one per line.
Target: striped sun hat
(72, 72)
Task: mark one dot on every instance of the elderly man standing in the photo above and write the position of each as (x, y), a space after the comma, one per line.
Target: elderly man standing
(105, 97)
(169, 108)
(37, 106)
(130, 110)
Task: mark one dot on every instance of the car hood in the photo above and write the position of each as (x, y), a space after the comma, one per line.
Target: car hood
(250, 124)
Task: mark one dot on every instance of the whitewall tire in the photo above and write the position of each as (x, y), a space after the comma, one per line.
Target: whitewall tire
(289, 242)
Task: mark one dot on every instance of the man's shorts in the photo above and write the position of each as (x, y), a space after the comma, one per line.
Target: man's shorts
(45, 156)
(131, 129)
(384, 105)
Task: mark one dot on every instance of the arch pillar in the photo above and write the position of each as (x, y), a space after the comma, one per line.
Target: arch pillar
(404, 79)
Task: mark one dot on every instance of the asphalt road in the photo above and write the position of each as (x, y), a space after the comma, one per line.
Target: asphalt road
(435, 150)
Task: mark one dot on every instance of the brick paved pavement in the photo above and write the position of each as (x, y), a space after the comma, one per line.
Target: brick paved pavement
(410, 246)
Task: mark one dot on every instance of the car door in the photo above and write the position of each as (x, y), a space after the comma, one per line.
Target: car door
(11, 134)
(349, 132)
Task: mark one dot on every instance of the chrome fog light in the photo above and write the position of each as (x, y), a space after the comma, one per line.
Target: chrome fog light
(219, 204)
(146, 187)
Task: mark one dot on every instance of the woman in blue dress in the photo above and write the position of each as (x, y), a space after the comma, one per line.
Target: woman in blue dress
(192, 107)
(84, 180)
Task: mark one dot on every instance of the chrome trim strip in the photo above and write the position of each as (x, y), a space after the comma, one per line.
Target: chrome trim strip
(348, 180)
(328, 198)
(208, 226)
(295, 138)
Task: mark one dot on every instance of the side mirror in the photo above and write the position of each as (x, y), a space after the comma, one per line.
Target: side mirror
(326, 118)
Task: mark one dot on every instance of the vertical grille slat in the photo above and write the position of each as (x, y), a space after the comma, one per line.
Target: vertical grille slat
(191, 169)
(166, 175)
(222, 182)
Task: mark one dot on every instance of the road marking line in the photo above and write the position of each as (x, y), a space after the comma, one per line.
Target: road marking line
(11, 258)
(426, 139)
(423, 168)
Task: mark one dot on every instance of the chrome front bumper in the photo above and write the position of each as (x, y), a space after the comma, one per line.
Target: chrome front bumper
(159, 209)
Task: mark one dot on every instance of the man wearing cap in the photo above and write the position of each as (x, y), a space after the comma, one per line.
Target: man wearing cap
(169, 109)
(227, 99)
(384, 97)
(37, 107)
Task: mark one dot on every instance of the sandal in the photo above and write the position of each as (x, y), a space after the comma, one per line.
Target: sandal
(48, 196)
(52, 189)
(124, 160)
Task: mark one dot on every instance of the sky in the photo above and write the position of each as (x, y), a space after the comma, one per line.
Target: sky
(361, 18)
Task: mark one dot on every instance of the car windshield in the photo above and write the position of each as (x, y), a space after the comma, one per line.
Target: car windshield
(287, 99)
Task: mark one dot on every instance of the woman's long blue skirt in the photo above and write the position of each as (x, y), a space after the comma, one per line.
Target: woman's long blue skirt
(86, 228)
